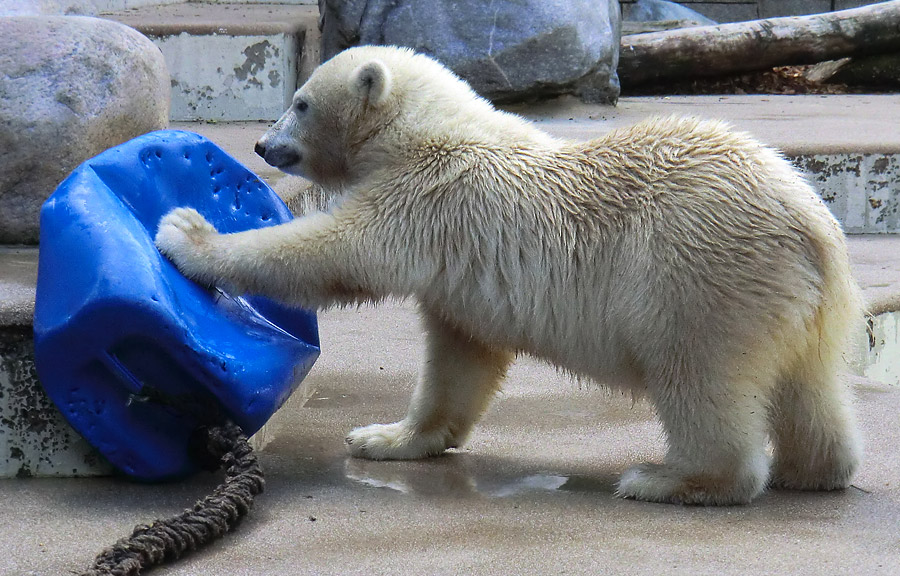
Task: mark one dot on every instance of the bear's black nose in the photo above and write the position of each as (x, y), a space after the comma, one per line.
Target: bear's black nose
(260, 149)
(279, 155)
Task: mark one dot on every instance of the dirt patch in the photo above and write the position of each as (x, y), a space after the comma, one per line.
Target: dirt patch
(781, 80)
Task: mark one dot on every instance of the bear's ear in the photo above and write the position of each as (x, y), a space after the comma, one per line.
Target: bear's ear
(372, 82)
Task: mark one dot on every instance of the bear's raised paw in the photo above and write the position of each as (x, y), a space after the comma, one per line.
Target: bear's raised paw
(181, 226)
(183, 236)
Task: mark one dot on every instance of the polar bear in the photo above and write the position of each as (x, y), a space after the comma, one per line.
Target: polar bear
(677, 259)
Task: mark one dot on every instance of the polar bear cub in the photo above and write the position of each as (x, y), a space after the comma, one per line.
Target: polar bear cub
(676, 259)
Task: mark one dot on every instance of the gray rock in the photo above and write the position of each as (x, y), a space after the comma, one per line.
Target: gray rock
(70, 87)
(47, 7)
(506, 49)
(660, 10)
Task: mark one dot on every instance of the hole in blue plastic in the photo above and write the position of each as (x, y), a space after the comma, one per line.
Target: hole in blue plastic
(138, 361)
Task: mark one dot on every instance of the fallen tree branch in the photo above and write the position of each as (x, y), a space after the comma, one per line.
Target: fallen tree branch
(758, 44)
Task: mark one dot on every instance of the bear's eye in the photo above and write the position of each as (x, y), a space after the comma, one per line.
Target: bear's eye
(302, 106)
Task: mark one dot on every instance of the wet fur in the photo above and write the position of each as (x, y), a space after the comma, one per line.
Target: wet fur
(676, 258)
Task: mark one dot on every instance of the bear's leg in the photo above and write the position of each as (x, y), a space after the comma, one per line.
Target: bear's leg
(716, 444)
(458, 380)
(816, 443)
(302, 262)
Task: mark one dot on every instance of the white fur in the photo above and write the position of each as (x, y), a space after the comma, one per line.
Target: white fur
(676, 258)
(372, 82)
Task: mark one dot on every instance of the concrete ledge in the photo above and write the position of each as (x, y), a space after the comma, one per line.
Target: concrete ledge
(35, 439)
(18, 278)
(210, 18)
(851, 155)
(231, 61)
(861, 190)
(798, 125)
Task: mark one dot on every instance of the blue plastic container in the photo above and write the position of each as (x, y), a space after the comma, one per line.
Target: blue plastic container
(136, 356)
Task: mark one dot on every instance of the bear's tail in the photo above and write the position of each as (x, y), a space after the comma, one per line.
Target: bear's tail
(817, 445)
(840, 315)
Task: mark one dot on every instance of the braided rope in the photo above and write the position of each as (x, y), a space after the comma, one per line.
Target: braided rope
(210, 518)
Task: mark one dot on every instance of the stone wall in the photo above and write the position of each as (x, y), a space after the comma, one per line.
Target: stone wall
(740, 10)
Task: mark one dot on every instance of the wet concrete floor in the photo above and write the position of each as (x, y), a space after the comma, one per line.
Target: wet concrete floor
(531, 493)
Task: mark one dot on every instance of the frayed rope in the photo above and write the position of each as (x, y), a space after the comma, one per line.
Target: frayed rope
(209, 519)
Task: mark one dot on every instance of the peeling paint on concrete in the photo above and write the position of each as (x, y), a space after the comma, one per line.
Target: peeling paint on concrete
(257, 56)
(225, 77)
(862, 190)
(35, 439)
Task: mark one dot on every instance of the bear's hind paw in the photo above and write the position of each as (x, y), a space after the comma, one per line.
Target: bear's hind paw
(794, 477)
(659, 483)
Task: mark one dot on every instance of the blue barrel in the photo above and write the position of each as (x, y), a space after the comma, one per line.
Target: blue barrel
(136, 356)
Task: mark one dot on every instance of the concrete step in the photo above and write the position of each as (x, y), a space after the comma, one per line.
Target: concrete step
(239, 61)
(848, 144)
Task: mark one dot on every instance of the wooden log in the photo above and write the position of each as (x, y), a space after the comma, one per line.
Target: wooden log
(759, 44)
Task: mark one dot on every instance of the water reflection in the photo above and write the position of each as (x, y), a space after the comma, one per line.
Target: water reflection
(458, 475)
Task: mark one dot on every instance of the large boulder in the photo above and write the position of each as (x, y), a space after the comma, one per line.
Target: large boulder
(506, 49)
(47, 7)
(661, 10)
(70, 87)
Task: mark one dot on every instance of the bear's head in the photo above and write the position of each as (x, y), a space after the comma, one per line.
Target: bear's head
(363, 109)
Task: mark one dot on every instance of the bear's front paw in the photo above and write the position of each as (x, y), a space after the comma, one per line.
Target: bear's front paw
(183, 236)
(182, 226)
(395, 442)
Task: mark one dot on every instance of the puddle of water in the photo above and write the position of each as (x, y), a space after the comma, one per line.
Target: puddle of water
(450, 476)
(329, 399)
(441, 476)
(532, 483)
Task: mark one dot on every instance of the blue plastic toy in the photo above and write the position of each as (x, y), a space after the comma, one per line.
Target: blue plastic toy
(136, 356)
